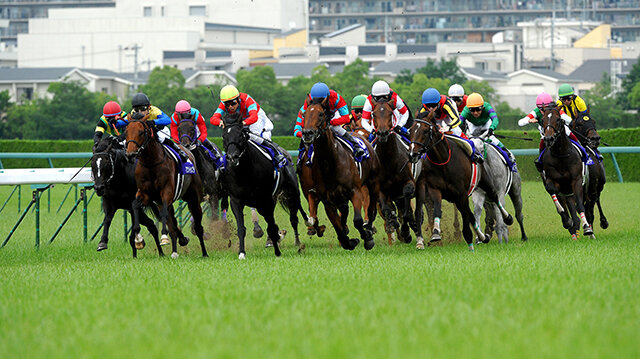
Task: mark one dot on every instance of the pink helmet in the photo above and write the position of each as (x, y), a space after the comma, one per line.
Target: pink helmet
(183, 106)
(543, 99)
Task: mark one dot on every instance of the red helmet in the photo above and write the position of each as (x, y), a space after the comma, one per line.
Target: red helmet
(111, 109)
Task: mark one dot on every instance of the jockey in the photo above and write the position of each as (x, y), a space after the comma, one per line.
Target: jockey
(456, 93)
(446, 116)
(357, 105)
(254, 118)
(142, 107)
(380, 92)
(543, 101)
(184, 111)
(572, 104)
(480, 117)
(111, 113)
(338, 107)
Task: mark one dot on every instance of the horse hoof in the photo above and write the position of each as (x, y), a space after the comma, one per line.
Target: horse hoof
(139, 238)
(258, 232)
(353, 243)
(574, 237)
(164, 240)
(486, 239)
(311, 231)
(436, 235)
(374, 230)
(174, 255)
(102, 246)
(471, 248)
(592, 236)
(321, 230)
(604, 224)
(419, 243)
(435, 243)
(587, 231)
(140, 245)
(183, 241)
(369, 244)
(509, 220)
(268, 243)
(241, 256)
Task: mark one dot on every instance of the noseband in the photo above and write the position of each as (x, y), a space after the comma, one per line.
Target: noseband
(316, 132)
(192, 138)
(113, 167)
(424, 147)
(147, 137)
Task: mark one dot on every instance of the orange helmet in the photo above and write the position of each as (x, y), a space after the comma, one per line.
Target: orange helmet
(475, 100)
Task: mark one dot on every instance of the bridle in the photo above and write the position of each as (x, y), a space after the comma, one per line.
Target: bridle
(241, 143)
(424, 148)
(323, 119)
(373, 118)
(147, 137)
(192, 138)
(556, 132)
(113, 168)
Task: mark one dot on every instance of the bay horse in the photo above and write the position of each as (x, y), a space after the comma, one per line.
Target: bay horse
(447, 173)
(336, 177)
(584, 127)
(114, 180)
(210, 175)
(562, 174)
(506, 182)
(250, 180)
(157, 175)
(397, 185)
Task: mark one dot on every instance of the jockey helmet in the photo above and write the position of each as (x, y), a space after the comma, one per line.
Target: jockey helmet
(543, 99)
(111, 109)
(183, 106)
(140, 99)
(456, 91)
(430, 96)
(565, 90)
(380, 88)
(228, 93)
(358, 101)
(319, 90)
(475, 100)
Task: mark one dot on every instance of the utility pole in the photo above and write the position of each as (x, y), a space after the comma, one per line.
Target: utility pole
(135, 48)
(553, 19)
(148, 63)
(82, 47)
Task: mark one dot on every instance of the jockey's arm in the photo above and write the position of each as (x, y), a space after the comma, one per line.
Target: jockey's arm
(174, 128)
(566, 118)
(404, 112)
(253, 115)
(202, 127)
(161, 118)
(216, 118)
(581, 106)
(340, 117)
(453, 119)
(365, 120)
(493, 117)
(297, 129)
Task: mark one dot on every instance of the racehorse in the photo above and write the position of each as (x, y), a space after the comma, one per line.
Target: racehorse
(506, 182)
(563, 173)
(584, 127)
(250, 180)
(446, 172)
(114, 181)
(210, 175)
(337, 179)
(159, 181)
(397, 185)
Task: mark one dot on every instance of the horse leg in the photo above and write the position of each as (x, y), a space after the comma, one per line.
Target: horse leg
(478, 199)
(358, 222)
(516, 199)
(272, 227)
(135, 221)
(587, 230)
(343, 209)
(334, 218)
(109, 210)
(468, 221)
(436, 199)
(236, 208)
(196, 212)
(167, 225)
(312, 222)
(151, 227)
(257, 230)
(408, 191)
(418, 214)
(552, 189)
(574, 229)
(388, 213)
(604, 224)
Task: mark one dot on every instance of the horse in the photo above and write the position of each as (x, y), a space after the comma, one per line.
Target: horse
(562, 174)
(397, 185)
(210, 175)
(114, 181)
(157, 176)
(507, 182)
(584, 127)
(337, 178)
(446, 172)
(250, 180)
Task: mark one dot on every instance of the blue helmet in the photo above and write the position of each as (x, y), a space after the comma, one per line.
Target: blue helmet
(319, 90)
(430, 95)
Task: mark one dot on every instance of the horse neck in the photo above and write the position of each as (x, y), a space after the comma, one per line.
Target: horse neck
(152, 154)
(562, 144)
(326, 149)
(391, 150)
(440, 151)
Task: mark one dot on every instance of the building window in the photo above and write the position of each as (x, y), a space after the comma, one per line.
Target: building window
(199, 10)
(147, 11)
(25, 93)
(105, 90)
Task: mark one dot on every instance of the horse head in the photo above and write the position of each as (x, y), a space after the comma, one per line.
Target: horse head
(234, 138)
(382, 120)
(316, 120)
(103, 163)
(552, 125)
(424, 133)
(187, 132)
(139, 133)
(584, 126)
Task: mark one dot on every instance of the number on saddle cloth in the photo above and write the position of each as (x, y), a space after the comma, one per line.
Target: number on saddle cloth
(349, 145)
(185, 168)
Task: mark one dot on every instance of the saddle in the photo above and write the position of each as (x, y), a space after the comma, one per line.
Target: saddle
(359, 142)
(504, 157)
(185, 168)
(269, 154)
(466, 145)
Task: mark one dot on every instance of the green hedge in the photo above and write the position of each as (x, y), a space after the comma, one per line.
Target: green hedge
(629, 163)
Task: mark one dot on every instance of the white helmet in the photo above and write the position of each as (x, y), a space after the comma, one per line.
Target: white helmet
(456, 90)
(380, 88)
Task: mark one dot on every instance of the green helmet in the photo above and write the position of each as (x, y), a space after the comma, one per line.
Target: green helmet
(358, 101)
(565, 90)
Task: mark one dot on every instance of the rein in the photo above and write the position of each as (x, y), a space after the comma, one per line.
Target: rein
(426, 148)
(147, 138)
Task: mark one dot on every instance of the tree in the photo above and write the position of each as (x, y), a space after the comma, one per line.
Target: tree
(72, 112)
(604, 107)
(445, 69)
(412, 93)
(483, 88)
(164, 88)
(628, 84)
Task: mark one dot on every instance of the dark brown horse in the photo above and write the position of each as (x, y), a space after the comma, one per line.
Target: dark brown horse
(156, 177)
(584, 127)
(397, 185)
(563, 174)
(337, 178)
(447, 172)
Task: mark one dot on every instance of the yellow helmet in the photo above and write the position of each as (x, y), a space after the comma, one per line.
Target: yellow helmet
(475, 100)
(228, 93)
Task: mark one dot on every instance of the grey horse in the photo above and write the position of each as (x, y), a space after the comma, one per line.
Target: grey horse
(507, 182)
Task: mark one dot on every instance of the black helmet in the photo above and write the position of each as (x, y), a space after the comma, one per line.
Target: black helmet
(140, 99)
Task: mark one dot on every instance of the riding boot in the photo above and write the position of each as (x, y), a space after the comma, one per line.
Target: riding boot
(280, 159)
(358, 152)
(512, 158)
(169, 142)
(207, 144)
(538, 164)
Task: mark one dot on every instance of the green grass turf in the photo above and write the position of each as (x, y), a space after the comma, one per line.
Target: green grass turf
(549, 297)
